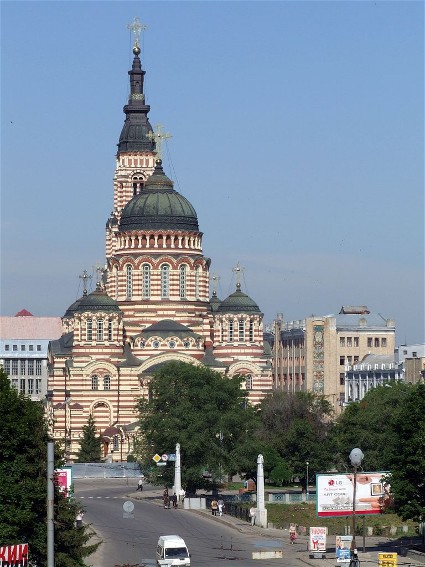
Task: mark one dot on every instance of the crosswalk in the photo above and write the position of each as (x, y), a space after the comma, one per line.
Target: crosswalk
(105, 497)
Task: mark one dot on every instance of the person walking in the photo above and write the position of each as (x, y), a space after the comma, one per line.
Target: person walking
(220, 504)
(174, 500)
(214, 507)
(140, 484)
(79, 519)
(182, 494)
(166, 498)
(292, 533)
(252, 511)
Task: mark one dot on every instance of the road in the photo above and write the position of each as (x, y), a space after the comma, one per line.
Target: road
(130, 539)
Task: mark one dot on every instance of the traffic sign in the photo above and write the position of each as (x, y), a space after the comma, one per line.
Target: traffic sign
(161, 464)
(156, 458)
(172, 457)
(164, 457)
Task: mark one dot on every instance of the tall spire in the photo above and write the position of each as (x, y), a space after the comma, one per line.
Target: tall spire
(134, 135)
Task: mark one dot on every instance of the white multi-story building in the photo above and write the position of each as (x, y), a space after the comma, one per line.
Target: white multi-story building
(24, 341)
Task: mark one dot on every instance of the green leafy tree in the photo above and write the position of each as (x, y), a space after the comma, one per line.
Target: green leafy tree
(90, 444)
(371, 425)
(23, 485)
(281, 474)
(297, 426)
(407, 471)
(206, 413)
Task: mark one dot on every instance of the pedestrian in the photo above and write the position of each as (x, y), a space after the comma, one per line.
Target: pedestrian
(140, 484)
(220, 504)
(252, 511)
(79, 519)
(292, 533)
(182, 494)
(214, 507)
(166, 498)
(174, 500)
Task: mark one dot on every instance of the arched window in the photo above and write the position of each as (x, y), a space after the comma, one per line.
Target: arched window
(99, 336)
(116, 284)
(197, 282)
(146, 277)
(110, 329)
(251, 331)
(95, 382)
(106, 382)
(89, 334)
(241, 324)
(137, 184)
(182, 281)
(165, 281)
(230, 328)
(129, 281)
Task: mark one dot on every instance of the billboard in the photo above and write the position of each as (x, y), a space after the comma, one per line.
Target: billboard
(14, 555)
(335, 494)
(317, 540)
(63, 478)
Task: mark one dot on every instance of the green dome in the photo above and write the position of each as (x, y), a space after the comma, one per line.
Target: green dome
(238, 302)
(159, 206)
(98, 300)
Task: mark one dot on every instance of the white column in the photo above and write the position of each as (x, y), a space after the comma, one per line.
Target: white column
(177, 472)
(261, 512)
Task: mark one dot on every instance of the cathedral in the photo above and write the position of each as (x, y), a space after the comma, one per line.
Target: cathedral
(152, 304)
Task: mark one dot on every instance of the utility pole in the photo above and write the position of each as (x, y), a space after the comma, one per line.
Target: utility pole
(177, 473)
(50, 503)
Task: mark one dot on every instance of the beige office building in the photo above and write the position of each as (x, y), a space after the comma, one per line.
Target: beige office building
(312, 354)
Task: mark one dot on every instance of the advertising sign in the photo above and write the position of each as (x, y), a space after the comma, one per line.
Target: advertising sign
(342, 548)
(318, 539)
(64, 479)
(14, 555)
(335, 494)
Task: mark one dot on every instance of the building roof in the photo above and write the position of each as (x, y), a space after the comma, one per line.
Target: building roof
(97, 300)
(29, 327)
(159, 206)
(136, 132)
(238, 302)
(63, 346)
(354, 310)
(371, 320)
(168, 328)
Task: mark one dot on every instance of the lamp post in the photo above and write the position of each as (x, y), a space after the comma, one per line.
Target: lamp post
(306, 491)
(356, 457)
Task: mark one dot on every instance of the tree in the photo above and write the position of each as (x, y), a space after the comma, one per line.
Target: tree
(206, 413)
(90, 444)
(297, 426)
(407, 470)
(371, 425)
(23, 485)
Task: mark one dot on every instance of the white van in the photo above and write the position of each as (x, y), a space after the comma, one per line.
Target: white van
(172, 550)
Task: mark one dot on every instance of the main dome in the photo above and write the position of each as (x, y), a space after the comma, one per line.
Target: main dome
(159, 206)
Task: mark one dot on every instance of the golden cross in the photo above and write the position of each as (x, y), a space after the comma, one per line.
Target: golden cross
(159, 136)
(136, 27)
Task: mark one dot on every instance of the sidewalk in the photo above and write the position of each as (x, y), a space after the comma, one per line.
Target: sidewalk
(373, 545)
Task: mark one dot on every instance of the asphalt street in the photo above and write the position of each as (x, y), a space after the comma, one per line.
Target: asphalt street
(129, 523)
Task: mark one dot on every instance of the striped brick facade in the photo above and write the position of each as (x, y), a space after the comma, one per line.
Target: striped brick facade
(152, 306)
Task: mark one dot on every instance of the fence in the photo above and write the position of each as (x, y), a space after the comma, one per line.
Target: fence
(105, 470)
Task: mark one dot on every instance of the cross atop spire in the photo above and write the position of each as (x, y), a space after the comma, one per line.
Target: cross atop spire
(215, 279)
(136, 27)
(237, 270)
(84, 276)
(158, 137)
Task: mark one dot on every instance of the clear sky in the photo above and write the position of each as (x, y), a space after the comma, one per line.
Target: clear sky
(298, 136)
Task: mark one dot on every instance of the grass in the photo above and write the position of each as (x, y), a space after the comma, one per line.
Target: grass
(281, 515)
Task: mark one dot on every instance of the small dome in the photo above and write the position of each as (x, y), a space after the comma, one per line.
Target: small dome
(159, 206)
(215, 302)
(69, 313)
(238, 302)
(98, 300)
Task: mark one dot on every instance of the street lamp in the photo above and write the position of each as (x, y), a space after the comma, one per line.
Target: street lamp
(306, 491)
(356, 457)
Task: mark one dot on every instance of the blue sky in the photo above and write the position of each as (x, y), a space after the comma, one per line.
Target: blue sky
(297, 136)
